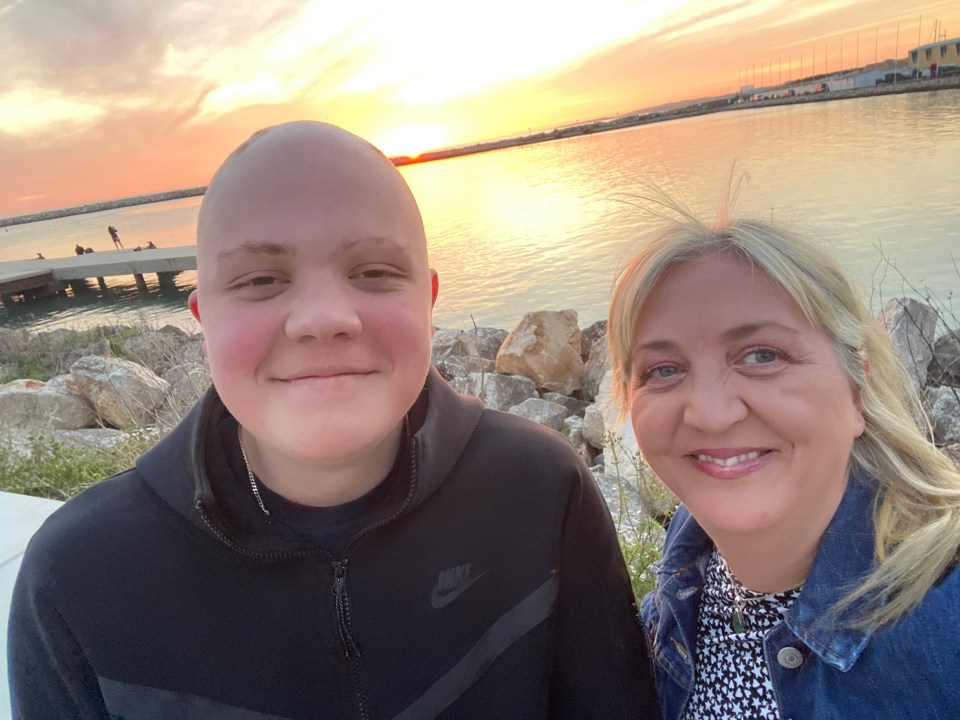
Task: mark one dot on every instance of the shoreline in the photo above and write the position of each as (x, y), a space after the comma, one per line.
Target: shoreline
(706, 107)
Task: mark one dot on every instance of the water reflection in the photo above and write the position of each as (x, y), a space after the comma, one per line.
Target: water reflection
(547, 226)
(121, 303)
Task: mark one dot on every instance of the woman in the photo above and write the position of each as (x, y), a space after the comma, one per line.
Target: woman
(811, 571)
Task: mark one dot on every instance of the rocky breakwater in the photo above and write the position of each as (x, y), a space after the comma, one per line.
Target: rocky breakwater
(546, 369)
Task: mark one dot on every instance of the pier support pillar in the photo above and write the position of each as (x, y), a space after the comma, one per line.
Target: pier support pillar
(141, 283)
(102, 283)
(165, 279)
(7, 300)
(79, 287)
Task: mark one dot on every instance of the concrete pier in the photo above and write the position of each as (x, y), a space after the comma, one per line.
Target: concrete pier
(30, 278)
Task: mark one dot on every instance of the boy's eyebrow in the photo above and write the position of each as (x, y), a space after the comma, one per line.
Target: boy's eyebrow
(256, 247)
(387, 242)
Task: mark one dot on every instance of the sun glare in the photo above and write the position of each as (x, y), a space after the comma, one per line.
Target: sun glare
(410, 140)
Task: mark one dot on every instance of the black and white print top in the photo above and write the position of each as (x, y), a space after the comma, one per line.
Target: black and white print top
(732, 679)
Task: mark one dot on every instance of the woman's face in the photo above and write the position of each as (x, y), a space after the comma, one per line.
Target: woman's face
(738, 403)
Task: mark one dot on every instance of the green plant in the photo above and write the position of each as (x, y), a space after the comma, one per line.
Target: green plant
(641, 530)
(40, 356)
(43, 466)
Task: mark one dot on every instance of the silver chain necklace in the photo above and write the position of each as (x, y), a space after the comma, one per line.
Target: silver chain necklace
(253, 479)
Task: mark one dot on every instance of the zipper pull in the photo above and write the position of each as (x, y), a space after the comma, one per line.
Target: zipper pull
(342, 604)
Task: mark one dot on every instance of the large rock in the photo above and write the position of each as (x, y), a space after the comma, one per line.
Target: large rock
(477, 343)
(912, 326)
(31, 405)
(620, 451)
(545, 347)
(598, 362)
(157, 351)
(623, 500)
(944, 368)
(124, 394)
(573, 405)
(191, 352)
(945, 414)
(188, 383)
(499, 392)
(460, 367)
(542, 411)
(489, 341)
(99, 347)
(590, 335)
(593, 427)
(573, 429)
(953, 452)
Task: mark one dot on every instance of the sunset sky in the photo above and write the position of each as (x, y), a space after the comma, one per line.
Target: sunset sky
(107, 98)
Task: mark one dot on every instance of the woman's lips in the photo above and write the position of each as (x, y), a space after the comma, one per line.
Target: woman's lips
(729, 463)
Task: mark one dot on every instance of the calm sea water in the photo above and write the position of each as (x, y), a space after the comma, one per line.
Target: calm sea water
(547, 226)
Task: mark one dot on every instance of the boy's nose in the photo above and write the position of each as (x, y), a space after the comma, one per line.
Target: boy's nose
(322, 312)
(713, 405)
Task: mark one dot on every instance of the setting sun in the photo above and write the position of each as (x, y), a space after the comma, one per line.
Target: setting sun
(411, 140)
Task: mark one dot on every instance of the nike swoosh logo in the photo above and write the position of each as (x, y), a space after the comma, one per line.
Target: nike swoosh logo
(441, 601)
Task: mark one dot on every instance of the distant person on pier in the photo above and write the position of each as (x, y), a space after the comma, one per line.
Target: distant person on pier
(332, 531)
(78, 249)
(150, 245)
(115, 236)
(40, 256)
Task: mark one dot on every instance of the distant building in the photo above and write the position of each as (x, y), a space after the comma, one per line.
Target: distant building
(929, 59)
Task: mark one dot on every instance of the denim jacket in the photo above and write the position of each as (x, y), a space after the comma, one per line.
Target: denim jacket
(821, 670)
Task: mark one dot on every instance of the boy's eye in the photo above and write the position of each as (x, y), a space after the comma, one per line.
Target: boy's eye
(257, 285)
(375, 273)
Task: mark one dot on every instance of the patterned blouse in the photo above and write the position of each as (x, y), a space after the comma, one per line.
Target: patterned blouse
(732, 679)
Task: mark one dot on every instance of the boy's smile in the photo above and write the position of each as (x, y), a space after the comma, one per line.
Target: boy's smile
(315, 298)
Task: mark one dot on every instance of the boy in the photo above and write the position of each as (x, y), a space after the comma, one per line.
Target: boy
(332, 532)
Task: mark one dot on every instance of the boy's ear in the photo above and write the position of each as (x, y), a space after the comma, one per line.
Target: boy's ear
(194, 305)
(434, 288)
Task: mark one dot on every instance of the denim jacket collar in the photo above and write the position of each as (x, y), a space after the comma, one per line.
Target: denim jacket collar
(843, 559)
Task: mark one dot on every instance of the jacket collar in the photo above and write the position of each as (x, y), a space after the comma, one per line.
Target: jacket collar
(178, 468)
(844, 558)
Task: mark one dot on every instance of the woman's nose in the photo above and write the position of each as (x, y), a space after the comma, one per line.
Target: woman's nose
(713, 404)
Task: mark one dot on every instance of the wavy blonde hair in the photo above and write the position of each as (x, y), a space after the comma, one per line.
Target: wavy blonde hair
(917, 506)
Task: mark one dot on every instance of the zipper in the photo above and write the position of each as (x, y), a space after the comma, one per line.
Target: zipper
(342, 604)
(341, 599)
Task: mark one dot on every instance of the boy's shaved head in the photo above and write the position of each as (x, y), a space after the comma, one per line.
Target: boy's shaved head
(325, 145)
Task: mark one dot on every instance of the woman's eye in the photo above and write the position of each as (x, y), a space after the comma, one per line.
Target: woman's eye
(761, 356)
(262, 280)
(662, 372)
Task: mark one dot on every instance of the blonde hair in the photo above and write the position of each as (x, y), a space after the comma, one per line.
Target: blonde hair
(917, 506)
